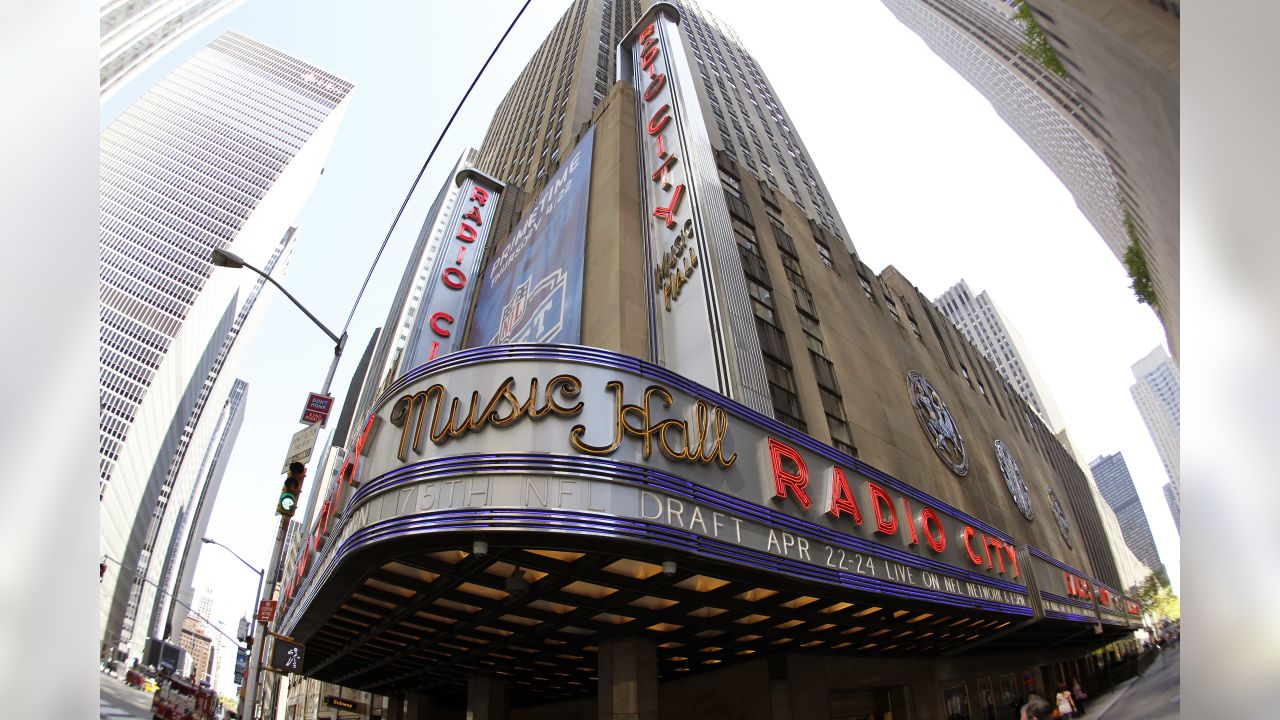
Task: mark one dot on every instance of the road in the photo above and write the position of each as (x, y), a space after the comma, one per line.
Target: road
(1153, 696)
(117, 701)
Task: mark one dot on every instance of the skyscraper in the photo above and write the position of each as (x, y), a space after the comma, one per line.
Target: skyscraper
(1058, 117)
(557, 92)
(179, 572)
(1124, 59)
(133, 35)
(1157, 394)
(1116, 485)
(981, 321)
(222, 153)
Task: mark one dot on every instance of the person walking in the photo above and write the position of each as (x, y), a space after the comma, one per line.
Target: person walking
(1078, 694)
(1062, 701)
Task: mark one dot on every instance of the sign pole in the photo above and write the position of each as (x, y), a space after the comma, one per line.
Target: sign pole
(254, 676)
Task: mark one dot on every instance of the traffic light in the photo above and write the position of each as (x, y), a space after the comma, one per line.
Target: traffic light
(292, 488)
(288, 501)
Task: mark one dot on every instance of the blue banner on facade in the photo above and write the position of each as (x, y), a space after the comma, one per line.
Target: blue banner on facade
(532, 289)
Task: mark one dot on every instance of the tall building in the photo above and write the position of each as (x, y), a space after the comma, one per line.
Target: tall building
(1174, 499)
(1157, 393)
(133, 35)
(1124, 59)
(199, 162)
(178, 576)
(195, 639)
(1059, 117)
(569, 76)
(989, 330)
(590, 505)
(1116, 485)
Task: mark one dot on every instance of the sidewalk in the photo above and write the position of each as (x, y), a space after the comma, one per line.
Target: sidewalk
(1154, 694)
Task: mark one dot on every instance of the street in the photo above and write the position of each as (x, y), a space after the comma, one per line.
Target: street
(1154, 695)
(117, 701)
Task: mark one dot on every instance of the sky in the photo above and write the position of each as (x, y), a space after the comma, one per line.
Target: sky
(927, 177)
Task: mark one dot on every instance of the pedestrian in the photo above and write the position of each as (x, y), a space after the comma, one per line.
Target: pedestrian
(1078, 694)
(1065, 705)
(1036, 708)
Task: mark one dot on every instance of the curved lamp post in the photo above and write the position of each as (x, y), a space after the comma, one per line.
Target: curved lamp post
(227, 259)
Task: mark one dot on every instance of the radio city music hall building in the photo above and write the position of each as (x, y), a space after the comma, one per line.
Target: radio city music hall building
(663, 447)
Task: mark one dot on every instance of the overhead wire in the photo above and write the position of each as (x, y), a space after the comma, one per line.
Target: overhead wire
(427, 162)
(193, 611)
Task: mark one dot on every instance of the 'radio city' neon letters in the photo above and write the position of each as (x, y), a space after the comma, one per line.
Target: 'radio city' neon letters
(791, 480)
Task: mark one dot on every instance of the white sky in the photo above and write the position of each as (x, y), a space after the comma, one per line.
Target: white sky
(926, 176)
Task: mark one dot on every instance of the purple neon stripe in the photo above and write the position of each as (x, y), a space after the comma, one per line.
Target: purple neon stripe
(613, 470)
(1068, 616)
(625, 529)
(1076, 602)
(607, 359)
(1054, 561)
(766, 516)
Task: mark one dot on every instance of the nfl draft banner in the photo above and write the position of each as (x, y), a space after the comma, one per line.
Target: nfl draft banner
(699, 310)
(532, 290)
(442, 315)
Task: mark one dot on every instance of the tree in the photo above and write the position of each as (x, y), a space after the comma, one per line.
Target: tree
(1037, 46)
(1157, 598)
(1135, 261)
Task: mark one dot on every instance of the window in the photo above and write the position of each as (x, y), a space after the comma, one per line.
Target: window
(782, 238)
(841, 437)
(804, 301)
(813, 335)
(731, 184)
(866, 288)
(792, 268)
(745, 235)
(782, 392)
(773, 343)
(826, 375)
(761, 301)
(893, 309)
(825, 254)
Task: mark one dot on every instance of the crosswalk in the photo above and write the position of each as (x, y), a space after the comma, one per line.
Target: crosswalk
(108, 711)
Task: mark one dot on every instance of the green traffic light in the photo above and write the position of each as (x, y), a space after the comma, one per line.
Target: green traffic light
(288, 502)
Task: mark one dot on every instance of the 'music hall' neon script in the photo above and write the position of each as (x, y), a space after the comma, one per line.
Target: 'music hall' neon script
(700, 441)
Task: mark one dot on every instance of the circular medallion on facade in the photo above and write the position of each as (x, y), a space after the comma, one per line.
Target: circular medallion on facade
(936, 420)
(1061, 516)
(1013, 480)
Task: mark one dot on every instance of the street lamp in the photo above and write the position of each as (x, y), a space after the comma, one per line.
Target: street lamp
(227, 259)
(250, 684)
(224, 258)
(261, 574)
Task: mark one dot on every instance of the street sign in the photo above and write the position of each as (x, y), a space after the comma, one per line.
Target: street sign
(286, 657)
(317, 409)
(266, 610)
(301, 444)
(242, 664)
